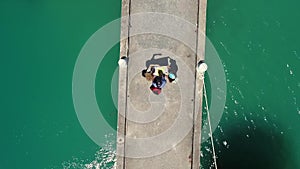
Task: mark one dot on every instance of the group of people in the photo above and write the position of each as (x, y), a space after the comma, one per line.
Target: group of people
(159, 76)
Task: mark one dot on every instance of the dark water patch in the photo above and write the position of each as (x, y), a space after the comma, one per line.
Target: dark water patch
(261, 148)
(262, 151)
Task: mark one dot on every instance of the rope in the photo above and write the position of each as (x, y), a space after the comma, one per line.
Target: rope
(210, 130)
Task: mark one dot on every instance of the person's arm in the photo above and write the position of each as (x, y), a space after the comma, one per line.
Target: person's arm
(154, 84)
(163, 83)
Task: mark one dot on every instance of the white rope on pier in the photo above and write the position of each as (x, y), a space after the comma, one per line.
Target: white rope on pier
(209, 124)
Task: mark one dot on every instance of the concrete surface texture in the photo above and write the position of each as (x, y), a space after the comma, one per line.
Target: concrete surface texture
(160, 131)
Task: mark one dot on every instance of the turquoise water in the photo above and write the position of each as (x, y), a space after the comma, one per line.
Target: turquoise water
(40, 41)
(259, 46)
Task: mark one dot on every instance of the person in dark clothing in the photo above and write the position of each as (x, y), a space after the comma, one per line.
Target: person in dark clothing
(158, 83)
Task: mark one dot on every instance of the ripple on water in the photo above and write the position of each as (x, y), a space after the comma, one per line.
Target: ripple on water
(104, 158)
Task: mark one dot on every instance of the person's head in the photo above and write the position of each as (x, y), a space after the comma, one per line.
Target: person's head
(160, 73)
(144, 72)
(171, 77)
(157, 81)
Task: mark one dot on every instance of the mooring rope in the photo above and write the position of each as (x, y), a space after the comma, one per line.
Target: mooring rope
(209, 124)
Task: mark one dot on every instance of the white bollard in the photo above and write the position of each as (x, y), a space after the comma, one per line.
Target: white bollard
(122, 61)
(202, 68)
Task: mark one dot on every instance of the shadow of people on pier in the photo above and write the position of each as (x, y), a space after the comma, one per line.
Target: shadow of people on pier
(163, 61)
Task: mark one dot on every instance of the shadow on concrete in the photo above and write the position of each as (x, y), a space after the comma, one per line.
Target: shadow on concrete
(262, 148)
(163, 61)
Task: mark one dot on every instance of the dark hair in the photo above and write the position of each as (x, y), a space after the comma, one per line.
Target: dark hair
(158, 81)
(170, 79)
(160, 73)
(152, 70)
(144, 72)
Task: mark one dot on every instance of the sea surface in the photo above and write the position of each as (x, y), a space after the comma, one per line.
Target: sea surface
(257, 41)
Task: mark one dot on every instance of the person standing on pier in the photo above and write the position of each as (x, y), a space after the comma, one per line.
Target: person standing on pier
(158, 83)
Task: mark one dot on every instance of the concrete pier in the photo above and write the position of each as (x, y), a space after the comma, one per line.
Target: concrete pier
(160, 131)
